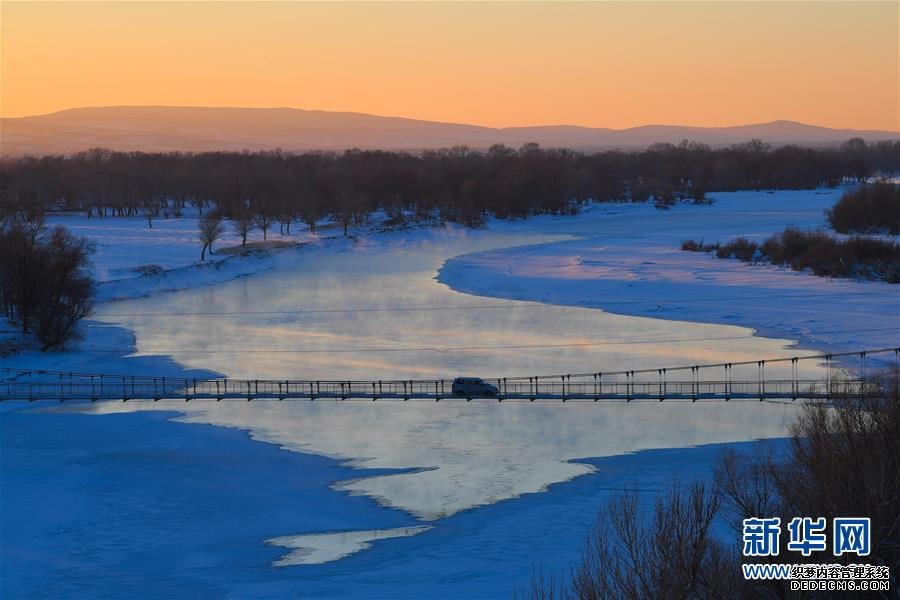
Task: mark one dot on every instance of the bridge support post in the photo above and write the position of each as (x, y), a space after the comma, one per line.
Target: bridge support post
(628, 386)
(727, 382)
(761, 381)
(862, 383)
(695, 386)
(795, 385)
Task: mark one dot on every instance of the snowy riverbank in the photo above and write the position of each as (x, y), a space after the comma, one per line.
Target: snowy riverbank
(627, 260)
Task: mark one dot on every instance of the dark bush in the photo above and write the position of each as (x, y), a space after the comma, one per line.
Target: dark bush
(741, 248)
(866, 258)
(868, 209)
(45, 282)
(693, 246)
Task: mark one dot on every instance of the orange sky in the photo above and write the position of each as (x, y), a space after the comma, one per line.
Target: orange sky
(599, 64)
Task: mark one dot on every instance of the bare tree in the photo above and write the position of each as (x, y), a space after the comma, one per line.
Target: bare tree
(151, 211)
(347, 205)
(211, 229)
(310, 210)
(67, 288)
(263, 220)
(243, 223)
(21, 269)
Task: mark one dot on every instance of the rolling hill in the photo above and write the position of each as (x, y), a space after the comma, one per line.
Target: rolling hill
(164, 128)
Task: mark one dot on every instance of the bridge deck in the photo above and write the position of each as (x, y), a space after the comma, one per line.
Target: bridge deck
(98, 388)
(640, 384)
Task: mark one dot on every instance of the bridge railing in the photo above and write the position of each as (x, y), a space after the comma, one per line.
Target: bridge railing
(715, 381)
(128, 388)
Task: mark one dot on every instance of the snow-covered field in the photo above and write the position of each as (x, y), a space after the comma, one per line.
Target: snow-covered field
(382, 305)
(128, 243)
(133, 259)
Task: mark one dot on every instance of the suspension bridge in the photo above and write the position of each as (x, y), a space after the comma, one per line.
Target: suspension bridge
(693, 383)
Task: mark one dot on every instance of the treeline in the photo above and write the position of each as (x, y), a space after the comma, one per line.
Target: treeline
(457, 184)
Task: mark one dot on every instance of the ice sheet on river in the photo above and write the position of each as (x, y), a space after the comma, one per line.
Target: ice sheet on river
(318, 548)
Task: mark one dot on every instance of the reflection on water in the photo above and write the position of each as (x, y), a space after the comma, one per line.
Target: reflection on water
(336, 317)
(471, 454)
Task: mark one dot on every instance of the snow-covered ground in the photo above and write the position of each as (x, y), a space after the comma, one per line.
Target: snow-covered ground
(125, 244)
(133, 259)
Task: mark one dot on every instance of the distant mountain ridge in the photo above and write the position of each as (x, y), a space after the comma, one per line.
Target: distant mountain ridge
(197, 129)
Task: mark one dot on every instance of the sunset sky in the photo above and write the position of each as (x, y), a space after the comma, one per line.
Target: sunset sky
(599, 64)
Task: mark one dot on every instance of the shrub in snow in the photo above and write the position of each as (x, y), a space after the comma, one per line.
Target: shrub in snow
(869, 209)
(740, 248)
